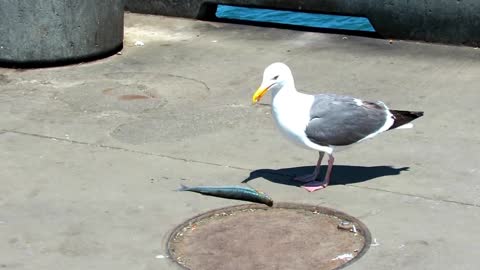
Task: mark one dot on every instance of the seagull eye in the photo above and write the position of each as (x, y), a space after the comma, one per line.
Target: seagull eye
(276, 77)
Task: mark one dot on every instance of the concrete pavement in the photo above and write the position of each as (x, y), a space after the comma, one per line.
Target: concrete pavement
(91, 153)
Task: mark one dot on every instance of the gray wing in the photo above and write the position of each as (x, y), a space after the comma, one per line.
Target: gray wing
(340, 120)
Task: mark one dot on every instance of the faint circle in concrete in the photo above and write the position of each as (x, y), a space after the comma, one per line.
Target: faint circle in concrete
(254, 236)
(108, 95)
(173, 87)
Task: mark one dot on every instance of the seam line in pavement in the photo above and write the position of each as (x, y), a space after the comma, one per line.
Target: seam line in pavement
(417, 196)
(220, 165)
(123, 149)
(398, 193)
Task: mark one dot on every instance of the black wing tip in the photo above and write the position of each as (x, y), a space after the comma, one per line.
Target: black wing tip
(407, 113)
(404, 117)
(418, 114)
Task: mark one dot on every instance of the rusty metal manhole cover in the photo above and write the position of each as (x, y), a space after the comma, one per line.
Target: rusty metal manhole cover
(253, 236)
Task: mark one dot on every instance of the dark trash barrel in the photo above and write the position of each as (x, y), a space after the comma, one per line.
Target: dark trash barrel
(55, 32)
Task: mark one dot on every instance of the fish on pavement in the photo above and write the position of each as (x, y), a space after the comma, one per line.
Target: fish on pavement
(232, 192)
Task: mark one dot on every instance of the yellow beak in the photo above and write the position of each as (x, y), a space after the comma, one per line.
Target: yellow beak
(261, 91)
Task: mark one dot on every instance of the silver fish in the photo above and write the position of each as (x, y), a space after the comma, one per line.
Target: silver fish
(232, 192)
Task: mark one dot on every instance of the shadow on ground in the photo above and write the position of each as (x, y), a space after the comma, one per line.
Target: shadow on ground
(341, 174)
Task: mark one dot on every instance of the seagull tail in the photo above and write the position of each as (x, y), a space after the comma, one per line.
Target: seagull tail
(403, 118)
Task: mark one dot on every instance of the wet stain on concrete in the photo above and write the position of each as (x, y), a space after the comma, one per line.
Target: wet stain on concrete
(132, 97)
(108, 91)
(4, 79)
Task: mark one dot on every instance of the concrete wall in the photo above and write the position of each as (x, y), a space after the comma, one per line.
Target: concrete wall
(51, 32)
(443, 21)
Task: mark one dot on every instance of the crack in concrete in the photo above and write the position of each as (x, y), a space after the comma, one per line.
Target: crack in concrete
(191, 79)
(222, 165)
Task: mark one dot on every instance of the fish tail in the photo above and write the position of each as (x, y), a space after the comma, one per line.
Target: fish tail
(183, 188)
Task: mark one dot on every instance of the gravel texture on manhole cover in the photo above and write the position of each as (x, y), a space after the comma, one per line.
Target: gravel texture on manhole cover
(286, 236)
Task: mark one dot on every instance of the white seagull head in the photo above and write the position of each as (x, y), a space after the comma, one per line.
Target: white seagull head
(275, 77)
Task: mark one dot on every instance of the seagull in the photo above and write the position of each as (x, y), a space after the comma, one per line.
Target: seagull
(325, 122)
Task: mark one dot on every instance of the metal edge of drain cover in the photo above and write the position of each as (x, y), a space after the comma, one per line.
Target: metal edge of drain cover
(362, 228)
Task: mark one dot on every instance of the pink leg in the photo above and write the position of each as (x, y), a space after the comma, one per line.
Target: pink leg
(313, 176)
(316, 185)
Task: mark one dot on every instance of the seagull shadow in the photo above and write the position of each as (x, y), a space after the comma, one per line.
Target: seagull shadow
(341, 174)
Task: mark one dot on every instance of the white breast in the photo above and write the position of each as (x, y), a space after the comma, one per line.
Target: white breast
(291, 111)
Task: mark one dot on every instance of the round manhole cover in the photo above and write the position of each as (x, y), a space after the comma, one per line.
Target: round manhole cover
(286, 236)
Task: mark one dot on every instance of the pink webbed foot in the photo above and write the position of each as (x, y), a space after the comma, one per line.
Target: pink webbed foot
(315, 185)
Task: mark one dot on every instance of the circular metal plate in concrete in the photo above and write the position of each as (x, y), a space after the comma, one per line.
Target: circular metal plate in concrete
(286, 236)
